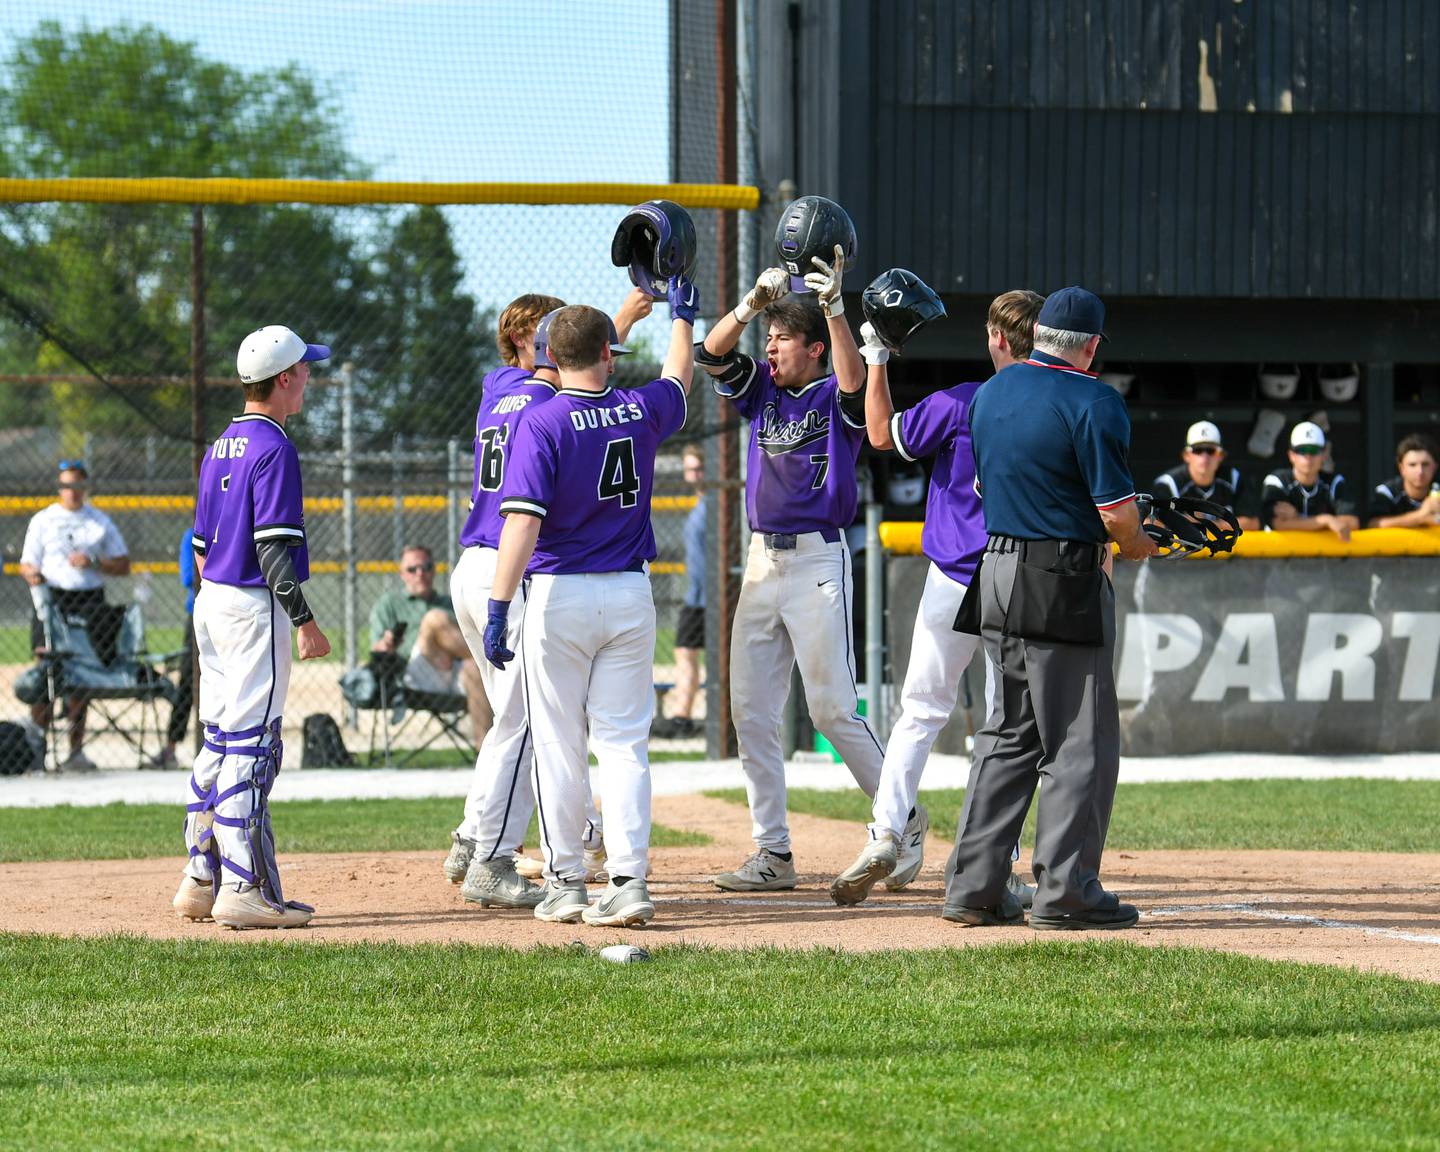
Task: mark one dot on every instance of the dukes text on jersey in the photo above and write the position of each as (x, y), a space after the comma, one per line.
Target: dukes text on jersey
(229, 448)
(628, 413)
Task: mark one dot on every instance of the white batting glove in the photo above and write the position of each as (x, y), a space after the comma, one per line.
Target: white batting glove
(826, 283)
(770, 285)
(872, 349)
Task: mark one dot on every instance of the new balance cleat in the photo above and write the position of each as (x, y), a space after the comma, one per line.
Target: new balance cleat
(762, 872)
(911, 851)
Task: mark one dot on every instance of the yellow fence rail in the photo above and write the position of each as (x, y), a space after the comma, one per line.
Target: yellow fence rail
(902, 538)
(179, 190)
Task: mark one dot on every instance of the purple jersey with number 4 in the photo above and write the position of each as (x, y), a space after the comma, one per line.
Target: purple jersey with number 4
(505, 393)
(939, 426)
(585, 463)
(249, 492)
(803, 448)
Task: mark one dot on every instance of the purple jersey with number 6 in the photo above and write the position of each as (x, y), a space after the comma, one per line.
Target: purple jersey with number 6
(939, 426)
(585, 463)
(505, 393)
(249, 492)
(803, 448)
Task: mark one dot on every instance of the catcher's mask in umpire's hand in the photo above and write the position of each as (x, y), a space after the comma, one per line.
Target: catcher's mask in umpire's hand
(812, 226)
(656, 240)
(898, 304)
(1183, 526)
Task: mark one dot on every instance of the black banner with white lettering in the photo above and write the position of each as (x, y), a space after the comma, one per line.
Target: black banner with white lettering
(1321, 656)
(1307, 656)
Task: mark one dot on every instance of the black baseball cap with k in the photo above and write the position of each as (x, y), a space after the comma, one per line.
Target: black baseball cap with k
(1073, 309)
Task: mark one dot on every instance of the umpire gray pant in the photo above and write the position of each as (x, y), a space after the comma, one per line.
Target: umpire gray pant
(1056, 718)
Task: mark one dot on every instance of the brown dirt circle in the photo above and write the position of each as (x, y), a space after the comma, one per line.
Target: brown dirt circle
(1359, 910)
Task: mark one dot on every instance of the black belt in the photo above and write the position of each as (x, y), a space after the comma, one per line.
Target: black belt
(1073, 555)
(785, 541)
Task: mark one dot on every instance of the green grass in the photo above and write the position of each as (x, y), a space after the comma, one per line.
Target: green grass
(140, 831)
(1299, 815)
(126, 1043)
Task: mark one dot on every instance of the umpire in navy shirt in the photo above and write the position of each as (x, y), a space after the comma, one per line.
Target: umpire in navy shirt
(1051, 446)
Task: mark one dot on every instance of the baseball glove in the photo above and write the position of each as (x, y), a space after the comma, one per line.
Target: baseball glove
(1184, 526)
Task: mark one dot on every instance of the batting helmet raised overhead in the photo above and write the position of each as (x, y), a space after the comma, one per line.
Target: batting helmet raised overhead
(898, 304)
(812, 226)
(655, 240)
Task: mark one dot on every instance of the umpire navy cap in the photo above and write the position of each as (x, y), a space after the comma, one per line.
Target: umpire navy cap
(1073, 309)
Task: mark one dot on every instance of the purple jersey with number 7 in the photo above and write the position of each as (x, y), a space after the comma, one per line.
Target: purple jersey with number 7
(803, 447)
(585, 463)
(939, 426)
(505, 393)
(249, 492)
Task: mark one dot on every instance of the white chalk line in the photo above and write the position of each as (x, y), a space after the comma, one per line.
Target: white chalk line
(1178, 910)
(1294, 918)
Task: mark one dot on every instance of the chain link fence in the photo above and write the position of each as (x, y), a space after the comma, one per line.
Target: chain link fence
(316, 204)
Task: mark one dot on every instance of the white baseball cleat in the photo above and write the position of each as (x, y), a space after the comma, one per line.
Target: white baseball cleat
(762, 872)
(496, 884)
(627, 906)
(248, 909)
(529, 867)
(457, 863)
(195, 899)
(562, 902)
(875, 862)
(593, 861)
(912, 850)
(1023, 892)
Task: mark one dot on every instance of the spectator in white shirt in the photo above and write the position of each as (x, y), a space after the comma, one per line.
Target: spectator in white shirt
(69, 548)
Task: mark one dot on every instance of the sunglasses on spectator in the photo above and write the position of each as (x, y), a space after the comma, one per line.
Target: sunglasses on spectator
(1204, 449)
(1308, 450)
(413, 568)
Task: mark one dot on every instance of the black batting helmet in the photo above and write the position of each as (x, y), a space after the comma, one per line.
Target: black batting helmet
(656, 240)
(898, 304)
(812, 226)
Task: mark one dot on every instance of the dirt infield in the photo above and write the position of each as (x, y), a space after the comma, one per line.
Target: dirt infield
(1362, 910)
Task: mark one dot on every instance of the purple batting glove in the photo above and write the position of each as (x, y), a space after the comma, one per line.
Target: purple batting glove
(684, 299)
(495, 628)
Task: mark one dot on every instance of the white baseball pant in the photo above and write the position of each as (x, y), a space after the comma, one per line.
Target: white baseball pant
(588, 651)
(242, 637)
(938, 658)
(502, 791)
(794, 609)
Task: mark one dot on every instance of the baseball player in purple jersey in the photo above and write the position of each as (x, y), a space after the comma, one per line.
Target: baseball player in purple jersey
(806, 427)
(953, 538)
(576, 498)
(501, 800)
(249, 542)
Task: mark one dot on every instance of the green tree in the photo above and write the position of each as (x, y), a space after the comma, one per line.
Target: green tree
(106, 287)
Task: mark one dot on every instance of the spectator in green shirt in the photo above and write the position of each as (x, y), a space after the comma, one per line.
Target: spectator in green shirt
(418, 625)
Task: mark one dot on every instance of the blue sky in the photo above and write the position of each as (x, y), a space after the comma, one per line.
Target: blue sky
(444, 90)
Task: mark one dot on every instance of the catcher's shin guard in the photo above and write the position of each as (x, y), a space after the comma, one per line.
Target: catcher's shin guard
(256, 765)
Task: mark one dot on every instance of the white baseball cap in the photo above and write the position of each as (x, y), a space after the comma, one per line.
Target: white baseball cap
(1202, 432)
(1306, 434)
(268, 351)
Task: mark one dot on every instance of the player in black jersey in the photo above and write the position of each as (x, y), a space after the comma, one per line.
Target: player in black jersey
(1302, 498)
(1412, 498)
(1204, 475)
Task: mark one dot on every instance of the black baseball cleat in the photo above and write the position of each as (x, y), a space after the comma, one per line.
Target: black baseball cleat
(1004, 914)
(1090, 920)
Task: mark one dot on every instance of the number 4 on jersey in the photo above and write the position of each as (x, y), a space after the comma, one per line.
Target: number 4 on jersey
(618, 475)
